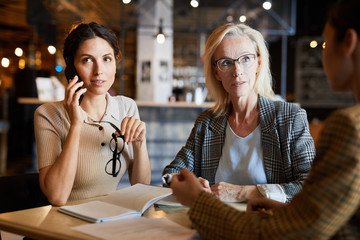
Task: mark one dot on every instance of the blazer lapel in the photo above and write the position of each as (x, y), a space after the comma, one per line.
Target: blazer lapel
(212, 148)
(269, 137)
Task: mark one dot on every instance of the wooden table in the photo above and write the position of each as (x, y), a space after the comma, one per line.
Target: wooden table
(47, 223)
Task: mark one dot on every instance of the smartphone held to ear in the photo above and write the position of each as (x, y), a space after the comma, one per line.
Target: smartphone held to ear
(70, 72)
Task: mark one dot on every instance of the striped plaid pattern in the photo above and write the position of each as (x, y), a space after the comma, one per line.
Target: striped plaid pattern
(288, 148)
(326, 208)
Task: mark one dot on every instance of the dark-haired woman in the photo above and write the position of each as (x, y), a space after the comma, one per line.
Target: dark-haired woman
(85, 148)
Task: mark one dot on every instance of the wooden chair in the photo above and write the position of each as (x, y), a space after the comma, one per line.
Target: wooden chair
(21, 192)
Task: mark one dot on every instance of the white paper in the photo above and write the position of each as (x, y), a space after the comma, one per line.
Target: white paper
(138, 228)
(97, 211)
(169, 201)
(137, 196)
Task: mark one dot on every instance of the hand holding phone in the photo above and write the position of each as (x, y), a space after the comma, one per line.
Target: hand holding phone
(70, 73)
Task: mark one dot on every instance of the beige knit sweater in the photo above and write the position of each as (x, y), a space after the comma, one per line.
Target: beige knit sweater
(51, 128)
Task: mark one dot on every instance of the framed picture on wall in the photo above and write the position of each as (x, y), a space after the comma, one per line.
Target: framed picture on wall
(164, 71)
(145, 71)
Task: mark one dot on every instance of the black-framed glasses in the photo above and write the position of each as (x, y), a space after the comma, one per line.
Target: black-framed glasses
(113, 166)
(227, 64)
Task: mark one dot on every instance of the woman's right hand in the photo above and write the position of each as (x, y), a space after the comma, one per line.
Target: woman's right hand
(71, 100)
(186, 187)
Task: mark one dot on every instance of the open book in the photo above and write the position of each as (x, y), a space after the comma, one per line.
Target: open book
(133, 200)
(169, 201)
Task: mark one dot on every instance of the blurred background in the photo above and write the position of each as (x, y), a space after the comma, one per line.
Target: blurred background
(162, 43)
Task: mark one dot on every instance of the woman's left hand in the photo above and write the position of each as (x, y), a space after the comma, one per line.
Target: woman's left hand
(234, 193)
(205, 184)
(133, 129)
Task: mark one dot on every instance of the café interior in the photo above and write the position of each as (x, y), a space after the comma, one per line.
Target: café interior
(161, 68)
(162, 43)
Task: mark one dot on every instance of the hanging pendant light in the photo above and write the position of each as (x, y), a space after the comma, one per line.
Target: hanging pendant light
(160, 36)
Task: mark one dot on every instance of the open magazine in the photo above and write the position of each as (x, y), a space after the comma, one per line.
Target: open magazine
(133, 200)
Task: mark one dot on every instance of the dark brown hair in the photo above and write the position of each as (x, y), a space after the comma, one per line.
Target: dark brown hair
(343, 15)
(85, 31)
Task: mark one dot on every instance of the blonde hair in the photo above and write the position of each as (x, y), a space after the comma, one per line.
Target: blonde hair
(263, 82)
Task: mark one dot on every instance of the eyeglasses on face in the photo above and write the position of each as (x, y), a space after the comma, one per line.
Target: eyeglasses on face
(227, 64)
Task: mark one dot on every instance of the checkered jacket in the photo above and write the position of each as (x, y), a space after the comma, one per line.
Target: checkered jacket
(328, 207)
(288, 148)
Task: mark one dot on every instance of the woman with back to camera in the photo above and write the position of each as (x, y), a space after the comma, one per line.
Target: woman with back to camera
(85, 148)
(328, 206)
(248, 145)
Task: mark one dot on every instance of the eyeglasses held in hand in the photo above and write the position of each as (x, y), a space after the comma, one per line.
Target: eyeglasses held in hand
(113, 166)
(227, 64)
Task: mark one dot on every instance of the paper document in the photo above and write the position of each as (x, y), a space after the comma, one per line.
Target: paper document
(169, 201)
(139, 228)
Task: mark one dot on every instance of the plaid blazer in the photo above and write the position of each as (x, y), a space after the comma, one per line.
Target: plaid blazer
(328, 207)
(288, 148)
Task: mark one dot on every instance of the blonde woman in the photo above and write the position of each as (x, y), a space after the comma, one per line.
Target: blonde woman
(248, 145)
(328, 206)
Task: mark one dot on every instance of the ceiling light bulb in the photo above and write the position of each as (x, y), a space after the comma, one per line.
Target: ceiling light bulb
(18, 52)
(267, 5)
(160, 38)
(242, 18)
(194, 3)
(313, 44)
(5, 62)
(52, 50)
(126, 1)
